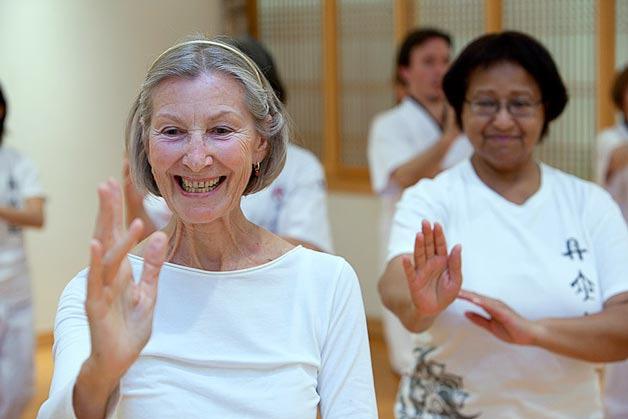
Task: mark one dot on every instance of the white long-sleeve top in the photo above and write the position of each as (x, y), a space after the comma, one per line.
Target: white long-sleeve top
(272, 341)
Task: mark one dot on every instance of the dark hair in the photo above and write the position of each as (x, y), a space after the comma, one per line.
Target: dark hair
(3, 104)
(260, 55)
(416, 38)
(620, 84)
(512, 47)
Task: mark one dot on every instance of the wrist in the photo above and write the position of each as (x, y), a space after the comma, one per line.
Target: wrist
(539, 332)
(96, 381)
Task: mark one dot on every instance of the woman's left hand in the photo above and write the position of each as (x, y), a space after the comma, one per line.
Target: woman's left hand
(503, 322)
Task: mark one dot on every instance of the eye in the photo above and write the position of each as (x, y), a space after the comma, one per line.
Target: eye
(171, 132)
(521, 103)
(221, 130)
(485, 103)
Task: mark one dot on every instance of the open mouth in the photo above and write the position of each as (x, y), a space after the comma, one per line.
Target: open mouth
(199, 186)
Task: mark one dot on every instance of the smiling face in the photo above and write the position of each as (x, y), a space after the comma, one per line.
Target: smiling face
(202, 145)
(502, 142)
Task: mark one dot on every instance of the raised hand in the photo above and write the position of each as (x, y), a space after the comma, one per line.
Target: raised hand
(503, 322)
(119, 310)
(435, 277)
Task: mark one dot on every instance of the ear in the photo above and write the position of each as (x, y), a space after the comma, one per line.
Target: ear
(404, 73)
(260, 148)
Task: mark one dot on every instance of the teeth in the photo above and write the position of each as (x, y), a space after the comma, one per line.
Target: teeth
(199, 186)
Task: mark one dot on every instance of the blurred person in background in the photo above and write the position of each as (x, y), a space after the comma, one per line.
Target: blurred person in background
(612, 173)
(21, 206)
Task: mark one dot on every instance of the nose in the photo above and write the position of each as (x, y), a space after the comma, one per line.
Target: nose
(197, 155)
(503, 119)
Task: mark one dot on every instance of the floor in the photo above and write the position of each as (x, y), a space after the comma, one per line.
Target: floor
(385, 380)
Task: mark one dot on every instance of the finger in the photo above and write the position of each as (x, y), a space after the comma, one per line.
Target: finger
(116, 202)
(479, 320)
(104, 220)
(419, 252)
(439, 240)
(428, 235)
(119, 251)
(154, 257)
(454, 265)
(95, 274)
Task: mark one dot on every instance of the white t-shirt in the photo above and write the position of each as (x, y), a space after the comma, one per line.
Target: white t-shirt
(294, 205)
(19, 181)
(272, 341)
(617, 186)
(560, 254)
(397, 136)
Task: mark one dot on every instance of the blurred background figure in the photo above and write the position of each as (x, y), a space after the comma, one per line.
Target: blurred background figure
(21, 206)
(612, 173)
(612, 147)
(294, 206)
(414, 140)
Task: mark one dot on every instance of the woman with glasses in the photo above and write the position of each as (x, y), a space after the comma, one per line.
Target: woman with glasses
(518, 270)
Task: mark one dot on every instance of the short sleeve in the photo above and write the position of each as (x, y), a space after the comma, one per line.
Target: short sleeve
(27, 179)
(389, 146)
(303, 213)
(427, 200)
(345, 380)
(607, 141)
(609, 236)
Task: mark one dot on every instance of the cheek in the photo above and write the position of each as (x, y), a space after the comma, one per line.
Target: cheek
(162, 154)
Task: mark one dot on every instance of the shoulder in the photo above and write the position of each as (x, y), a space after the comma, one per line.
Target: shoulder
(300, 158)
(326, 270)
(443, 184)
(582, 194)
(389, 118)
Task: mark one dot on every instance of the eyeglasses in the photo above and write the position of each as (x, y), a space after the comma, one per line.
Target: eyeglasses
(517, 108)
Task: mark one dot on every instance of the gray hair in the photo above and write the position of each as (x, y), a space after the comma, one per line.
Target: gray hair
(189, 60)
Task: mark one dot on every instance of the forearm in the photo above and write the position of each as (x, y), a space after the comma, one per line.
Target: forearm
(601, 337)
(425, 165)
(23, 217)
(395, 296)
(92, 392)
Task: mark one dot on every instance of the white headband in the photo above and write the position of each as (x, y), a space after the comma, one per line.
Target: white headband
(217, 44)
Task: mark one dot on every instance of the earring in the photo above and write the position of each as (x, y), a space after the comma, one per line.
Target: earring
(256, 168)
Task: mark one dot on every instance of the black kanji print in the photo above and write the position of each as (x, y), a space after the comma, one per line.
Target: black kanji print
(573, 248)
(583, 285)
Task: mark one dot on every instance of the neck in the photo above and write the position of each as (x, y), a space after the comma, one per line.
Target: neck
(228, 243)
(434, 106)
(516, 186)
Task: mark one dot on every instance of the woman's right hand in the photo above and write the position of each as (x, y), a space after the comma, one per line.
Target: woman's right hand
(435, 277)
(119, 310)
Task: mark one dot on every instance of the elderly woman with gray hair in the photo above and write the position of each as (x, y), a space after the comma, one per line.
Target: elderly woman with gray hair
(246, 324)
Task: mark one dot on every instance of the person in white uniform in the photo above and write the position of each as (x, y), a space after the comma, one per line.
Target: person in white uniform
(521, 278)
(414, 140)
(214, 316)
(21, 206)
(612, 174)
(293, 206)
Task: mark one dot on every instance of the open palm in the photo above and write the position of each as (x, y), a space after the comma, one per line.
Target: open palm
(119, 310)
(435, 277)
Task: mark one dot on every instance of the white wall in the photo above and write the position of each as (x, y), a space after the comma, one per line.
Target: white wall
(355, 229)
(70, 69)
